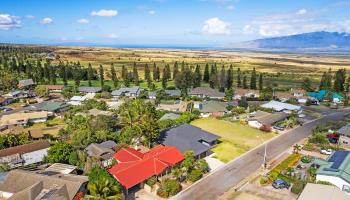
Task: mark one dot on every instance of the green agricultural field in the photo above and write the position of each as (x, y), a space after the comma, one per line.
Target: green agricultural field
(236, 138)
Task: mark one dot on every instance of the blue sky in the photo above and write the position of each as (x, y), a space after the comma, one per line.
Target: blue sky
(166, 22)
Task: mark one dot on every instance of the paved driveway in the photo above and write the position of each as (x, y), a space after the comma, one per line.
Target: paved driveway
(213, 163)
(220, 181)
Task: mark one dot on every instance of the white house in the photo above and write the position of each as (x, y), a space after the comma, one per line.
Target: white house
(281, 107)
(77, 100)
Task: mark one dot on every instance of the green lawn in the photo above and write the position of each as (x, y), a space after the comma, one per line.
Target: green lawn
(236, 138)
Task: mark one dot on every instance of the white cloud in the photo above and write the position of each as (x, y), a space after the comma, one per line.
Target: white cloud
(113, 36)
(46, 21)
(83, 21)
(290, 23)
(152, 12)
(8, 22)
(230, 7)
(29, 17)
(215, 26)
(301, 12)
(105, 13)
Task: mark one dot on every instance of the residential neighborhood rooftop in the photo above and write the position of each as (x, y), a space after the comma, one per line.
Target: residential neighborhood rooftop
(14, 118)
(338, 165)
(279, 106)
(322, 192)
(170, 116)
(131, 90)
(207, 92)
(25, 148)
(90, 89)
(135, 167)
(187, 137)
(270, 118)
(50, 106)
(212, 106)
(32, 185)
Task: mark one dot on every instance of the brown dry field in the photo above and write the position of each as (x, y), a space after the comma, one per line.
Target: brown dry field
(263, 62)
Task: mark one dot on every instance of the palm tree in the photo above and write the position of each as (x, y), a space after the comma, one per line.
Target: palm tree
(296, 148)
(102, 186)
(103, 190)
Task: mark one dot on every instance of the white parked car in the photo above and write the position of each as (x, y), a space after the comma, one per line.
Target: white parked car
(326, 151)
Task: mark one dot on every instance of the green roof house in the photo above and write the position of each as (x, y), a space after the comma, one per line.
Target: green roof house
(335, 170)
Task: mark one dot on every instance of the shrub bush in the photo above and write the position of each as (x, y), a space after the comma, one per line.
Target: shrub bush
(284, 165)
(297, 187)
(264, 180)
(306, 159)
(151, 181)
(169, 187)
(194, 175)
(309, 147)
(265, 128)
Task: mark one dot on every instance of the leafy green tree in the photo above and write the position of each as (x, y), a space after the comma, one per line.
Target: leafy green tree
(243, 102)
(339, 82)
(183, 81)
(306, 84)
(41, 91)
(169, 187)
(58, 153)
(189, 161)
(138, 120)
(102, 185)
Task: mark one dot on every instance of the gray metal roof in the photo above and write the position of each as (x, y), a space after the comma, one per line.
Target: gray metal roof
(169, 116)
(89, 89)
(187, 137)
(209, 92)
(345, 130)
(268, 118)
(132, 90)
(173, 93)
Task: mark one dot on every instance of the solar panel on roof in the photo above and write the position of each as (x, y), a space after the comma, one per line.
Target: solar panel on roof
(337, 158)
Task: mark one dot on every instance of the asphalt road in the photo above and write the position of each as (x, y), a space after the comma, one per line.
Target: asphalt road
(220, 181)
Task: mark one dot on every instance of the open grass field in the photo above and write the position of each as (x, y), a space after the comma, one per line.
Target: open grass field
(285, 70)
(236, 138)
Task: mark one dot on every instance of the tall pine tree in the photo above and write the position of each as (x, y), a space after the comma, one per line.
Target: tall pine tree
(229, 79)
(239, 81)
(135, 75)
(206, 76)
(102, 78)
(253, 80)
(197, 78)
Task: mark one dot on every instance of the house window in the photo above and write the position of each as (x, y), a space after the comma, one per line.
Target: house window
(346, 188)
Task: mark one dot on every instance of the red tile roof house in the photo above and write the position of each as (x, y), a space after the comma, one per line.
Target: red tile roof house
(135, 167)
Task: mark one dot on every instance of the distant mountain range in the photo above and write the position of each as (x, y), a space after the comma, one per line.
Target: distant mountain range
(322, 41)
